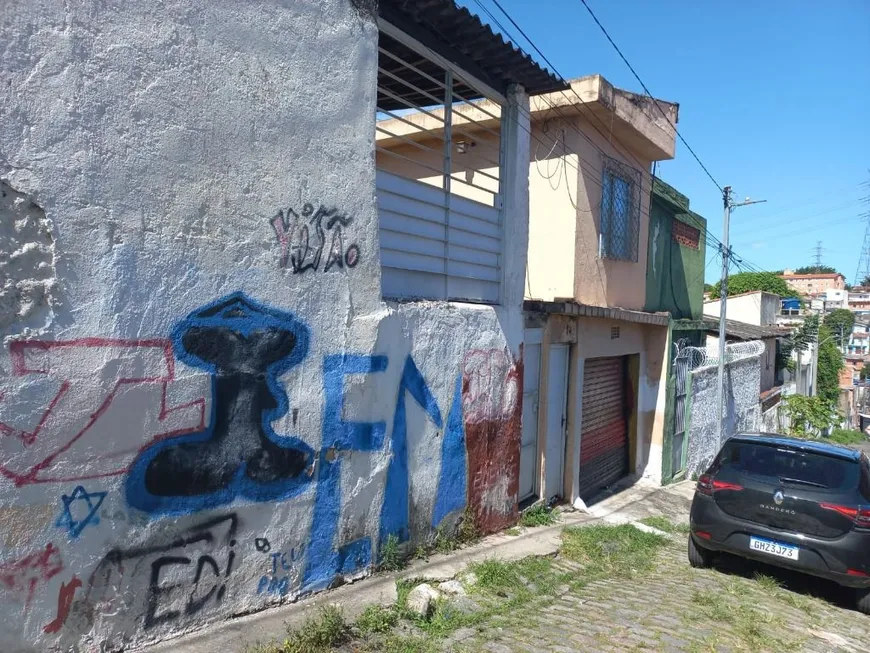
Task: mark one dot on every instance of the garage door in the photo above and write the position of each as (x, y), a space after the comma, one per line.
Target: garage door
(604, 438)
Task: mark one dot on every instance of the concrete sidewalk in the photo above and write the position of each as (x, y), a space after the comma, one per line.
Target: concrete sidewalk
(630, 502)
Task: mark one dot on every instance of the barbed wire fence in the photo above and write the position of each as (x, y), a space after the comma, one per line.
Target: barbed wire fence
(705, 357)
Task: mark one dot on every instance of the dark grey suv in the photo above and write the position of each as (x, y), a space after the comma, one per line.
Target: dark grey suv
(794, 503)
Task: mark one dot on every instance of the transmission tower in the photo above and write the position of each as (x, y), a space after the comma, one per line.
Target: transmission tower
(864, 262)
(818, 249)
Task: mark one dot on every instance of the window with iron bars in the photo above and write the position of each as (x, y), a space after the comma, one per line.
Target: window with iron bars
(620, 210)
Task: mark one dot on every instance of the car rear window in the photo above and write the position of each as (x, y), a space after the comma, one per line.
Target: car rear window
(790, 465)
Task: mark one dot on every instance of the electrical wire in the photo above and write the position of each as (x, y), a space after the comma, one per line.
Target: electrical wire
(640, 81)
(582, 103)
(778, 224)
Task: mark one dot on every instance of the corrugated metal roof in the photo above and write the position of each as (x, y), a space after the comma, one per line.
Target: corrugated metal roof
(576, 309)
(744, 331)
(460, 37)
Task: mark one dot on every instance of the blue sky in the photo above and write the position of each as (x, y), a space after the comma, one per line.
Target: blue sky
(774, 97)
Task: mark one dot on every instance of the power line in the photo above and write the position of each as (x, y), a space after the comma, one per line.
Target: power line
(812, 199)
(640, 81)
(789, 221)
(582, 103)
(708, 236)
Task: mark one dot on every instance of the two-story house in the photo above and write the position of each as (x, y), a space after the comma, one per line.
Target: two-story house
(594, 356)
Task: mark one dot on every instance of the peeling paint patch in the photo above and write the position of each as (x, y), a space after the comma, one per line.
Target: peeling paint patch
(27, 258)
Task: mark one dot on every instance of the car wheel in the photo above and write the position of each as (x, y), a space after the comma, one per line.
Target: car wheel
(700, 558)
(862, 600)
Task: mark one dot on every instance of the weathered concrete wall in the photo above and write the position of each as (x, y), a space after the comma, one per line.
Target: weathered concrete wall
(742, 409)
(205, 408)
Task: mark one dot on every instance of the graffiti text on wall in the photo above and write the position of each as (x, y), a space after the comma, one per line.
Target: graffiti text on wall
(244, 348)
(186, 571)
(314, 239)
(89, 385)
(21, 577)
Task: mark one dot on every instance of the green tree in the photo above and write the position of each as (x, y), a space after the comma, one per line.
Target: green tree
(816, 269)
(810, 416)
(750, 281)
(865, 282)
(830, 363)
(799, 340)
(840, 322)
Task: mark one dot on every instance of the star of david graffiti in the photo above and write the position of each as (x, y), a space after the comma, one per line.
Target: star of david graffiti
(80, 509)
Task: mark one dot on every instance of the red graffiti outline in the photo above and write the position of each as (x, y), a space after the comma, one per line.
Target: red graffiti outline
(15, 576)
(64, 603)
(19, 368)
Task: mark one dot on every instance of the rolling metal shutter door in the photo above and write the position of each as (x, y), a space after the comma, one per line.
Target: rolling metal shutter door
(604, 438)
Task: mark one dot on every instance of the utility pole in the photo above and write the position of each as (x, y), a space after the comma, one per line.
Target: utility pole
(863, 270)
(723, 300)
(819, 251)
(725, 249)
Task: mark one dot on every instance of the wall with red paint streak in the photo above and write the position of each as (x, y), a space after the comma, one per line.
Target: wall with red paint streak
(492, 400)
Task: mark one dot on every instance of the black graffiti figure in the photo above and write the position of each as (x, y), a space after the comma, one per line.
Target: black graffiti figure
(245, 346)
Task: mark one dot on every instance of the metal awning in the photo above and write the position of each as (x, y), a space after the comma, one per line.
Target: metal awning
(576, 309)
(461, 38)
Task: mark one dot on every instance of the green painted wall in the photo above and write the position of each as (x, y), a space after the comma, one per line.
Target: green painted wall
(675, 272)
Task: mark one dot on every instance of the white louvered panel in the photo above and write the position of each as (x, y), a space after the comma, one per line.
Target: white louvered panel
(470, 255)
(472, 209)
(473, 290)
(411, 244)
(413, 229)
(472, 271)
(407, 224)
(410, 284)
(392, 258)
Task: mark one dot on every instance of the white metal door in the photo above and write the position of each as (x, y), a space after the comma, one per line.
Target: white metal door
(529, 445)
(557, 396)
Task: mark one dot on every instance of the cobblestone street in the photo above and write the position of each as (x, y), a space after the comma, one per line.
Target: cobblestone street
(677, 608)
(738, 606)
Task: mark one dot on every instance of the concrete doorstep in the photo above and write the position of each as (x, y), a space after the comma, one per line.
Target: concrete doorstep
(635, 501)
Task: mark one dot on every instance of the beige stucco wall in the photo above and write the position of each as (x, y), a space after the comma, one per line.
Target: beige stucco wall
(553, 191)
(591, 338)
(597, 281)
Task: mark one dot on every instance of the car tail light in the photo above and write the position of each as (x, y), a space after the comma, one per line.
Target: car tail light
(860, 515)
(704, 535)
(705, 485)
(857, 572)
